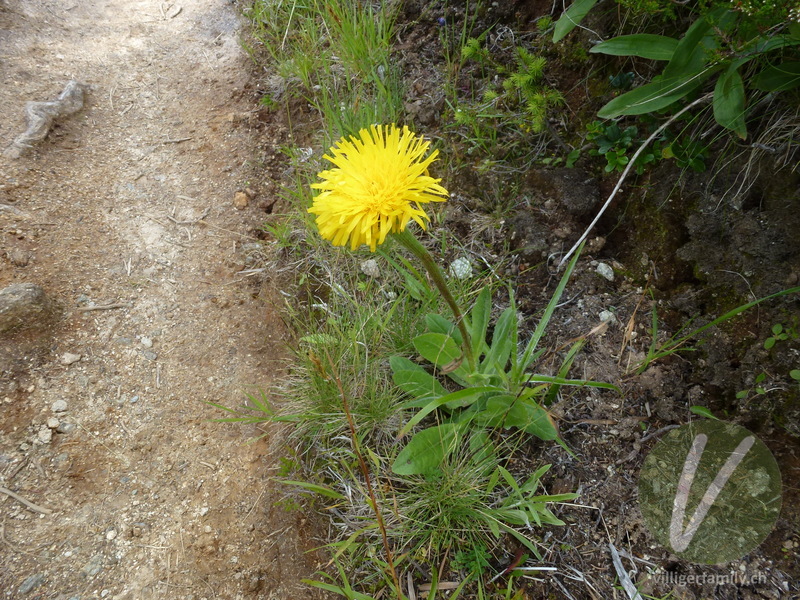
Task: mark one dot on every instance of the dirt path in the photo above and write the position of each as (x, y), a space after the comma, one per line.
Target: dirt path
(130, 201)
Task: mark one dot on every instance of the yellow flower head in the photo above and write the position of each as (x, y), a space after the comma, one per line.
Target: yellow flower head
(379, 181)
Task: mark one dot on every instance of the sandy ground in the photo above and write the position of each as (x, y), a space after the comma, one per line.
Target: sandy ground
(130, 202)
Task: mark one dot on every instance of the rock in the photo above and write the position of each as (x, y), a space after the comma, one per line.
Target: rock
(370, 268)
(605, 271)
(147, 342)
(59, 406)
(66, 427)
(150, 355)
(240, 200)
(53, 423)
(31, 582)
(44, 435)
(69, 358)
(606, 316)
(94, 566)
(23, 305)
(18, 258)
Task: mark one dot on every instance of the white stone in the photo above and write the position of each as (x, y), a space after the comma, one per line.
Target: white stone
(605, 271)
(44, 435)
(607, 316)
(52, 422)
(147, 342)
(59, 406)
(70, 358)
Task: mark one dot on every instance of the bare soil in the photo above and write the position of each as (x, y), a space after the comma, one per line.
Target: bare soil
(133, 202)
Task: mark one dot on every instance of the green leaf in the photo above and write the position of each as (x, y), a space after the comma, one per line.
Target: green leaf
(438, 324)
(426, 450)
(655, 95)
(702, 411)
(692, 51)
(458, 399)
(480, 314)
(729, 102)
(418, 383)
(645, 45)
(778, 78)
(529, 354)
(571, 17)
(438, 348)
(502, 341)
(777, 329)
(769, 343)
(795, 374)
(317, 489)
(509, 411)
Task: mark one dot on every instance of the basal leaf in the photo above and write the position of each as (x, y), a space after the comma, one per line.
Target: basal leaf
(525, 414)
(438, 348)
(438, 324)
(779, 78)
(645, 45)
(729, 102)
(502, 341)
(655, 95)
(571, 17)
(426, 450)
(479, 316)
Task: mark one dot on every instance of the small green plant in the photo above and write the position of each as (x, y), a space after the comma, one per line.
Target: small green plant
(506, 103)
(614, 143)
(779, 334)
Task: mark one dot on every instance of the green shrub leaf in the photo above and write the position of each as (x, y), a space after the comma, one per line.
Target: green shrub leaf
(779, 78)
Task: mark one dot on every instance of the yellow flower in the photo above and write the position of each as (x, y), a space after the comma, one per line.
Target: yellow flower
(378, 184)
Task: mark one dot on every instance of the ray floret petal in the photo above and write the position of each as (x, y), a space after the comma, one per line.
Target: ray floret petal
(378, 183)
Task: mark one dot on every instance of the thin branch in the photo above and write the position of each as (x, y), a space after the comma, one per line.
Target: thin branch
(631, 162)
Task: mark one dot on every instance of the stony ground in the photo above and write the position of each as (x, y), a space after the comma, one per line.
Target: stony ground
(128, 217)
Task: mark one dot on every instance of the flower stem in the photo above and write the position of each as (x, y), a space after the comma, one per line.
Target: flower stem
(408, 240)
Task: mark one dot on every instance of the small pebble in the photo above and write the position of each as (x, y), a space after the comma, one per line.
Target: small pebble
(112, 534)
(94, 566)
(59, 406)
(44, 434)
(53, 423)
(66, 427)
(31, 582)
(606, 316)
(605, 271)
(134, 400)
(240, 200)
(70, 358)
(150, 355)
(147, 342)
